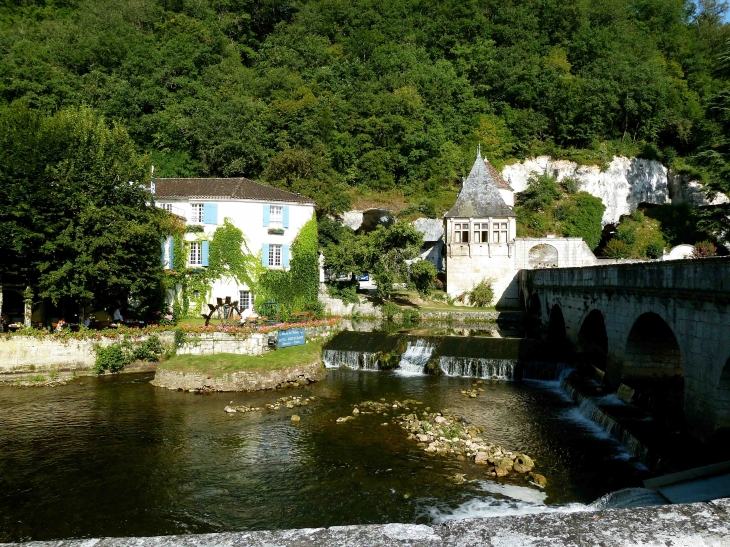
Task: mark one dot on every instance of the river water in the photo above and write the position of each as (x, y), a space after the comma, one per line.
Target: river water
(114, 456)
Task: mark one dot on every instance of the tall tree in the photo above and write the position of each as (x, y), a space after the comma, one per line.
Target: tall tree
(74, 217)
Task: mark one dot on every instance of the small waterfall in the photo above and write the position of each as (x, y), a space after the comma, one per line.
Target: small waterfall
(502, 369)
(594, 413)
(416, 356)
(334, 358)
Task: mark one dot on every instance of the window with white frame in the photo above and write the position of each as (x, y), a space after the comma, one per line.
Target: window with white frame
(196, 253)
(461, 233)
(276, 215)
(245, 300)
(274, 255)
(165, 206)
(197, 213)
(499, 232)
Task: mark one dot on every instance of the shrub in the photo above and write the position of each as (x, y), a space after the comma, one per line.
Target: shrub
(150, 350)
(347, 292)
(617, 249)
(482, 294)
(112, 358)
(654, 250)
(704, 249)
(422, 274)
(570, 185)
(390, 310)
(411, 316)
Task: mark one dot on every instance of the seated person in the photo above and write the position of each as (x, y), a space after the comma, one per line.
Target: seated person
(61, 324)
(87, 321)
(117, 317)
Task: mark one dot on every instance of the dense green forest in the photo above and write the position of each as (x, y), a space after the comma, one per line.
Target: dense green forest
(321, 96)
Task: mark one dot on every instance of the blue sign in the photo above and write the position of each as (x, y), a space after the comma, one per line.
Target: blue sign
(291, 337)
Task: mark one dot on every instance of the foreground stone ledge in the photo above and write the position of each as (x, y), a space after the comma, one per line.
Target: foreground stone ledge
(691, 525)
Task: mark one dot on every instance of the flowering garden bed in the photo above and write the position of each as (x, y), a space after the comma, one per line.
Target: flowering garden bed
(88, 334)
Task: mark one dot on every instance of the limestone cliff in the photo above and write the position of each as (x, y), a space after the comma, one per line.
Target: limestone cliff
(622, 186)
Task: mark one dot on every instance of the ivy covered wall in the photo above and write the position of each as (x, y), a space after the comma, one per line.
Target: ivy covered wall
(230, 259)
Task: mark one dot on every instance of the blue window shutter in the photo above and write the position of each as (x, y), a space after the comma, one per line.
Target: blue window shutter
(171, 245)
(265, 250)
(210, 213)
(205, 252)
(267, 214)
(285, 256)
(285, 216)
(162, 253)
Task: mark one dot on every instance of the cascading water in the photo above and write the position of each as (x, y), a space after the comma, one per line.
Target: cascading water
(502, 369)
(413, 361)
(334, 358)
(588, 408)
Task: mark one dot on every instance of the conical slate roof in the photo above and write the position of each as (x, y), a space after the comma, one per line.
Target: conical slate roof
(479, 196)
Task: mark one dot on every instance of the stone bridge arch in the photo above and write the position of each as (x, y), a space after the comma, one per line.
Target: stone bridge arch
(593, 339)
(652, 349)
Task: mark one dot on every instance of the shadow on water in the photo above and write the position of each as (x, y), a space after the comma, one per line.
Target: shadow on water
(118, 457)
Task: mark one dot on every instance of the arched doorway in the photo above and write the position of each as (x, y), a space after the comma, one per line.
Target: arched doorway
(653, 367)
(542, 256)
(593, 340)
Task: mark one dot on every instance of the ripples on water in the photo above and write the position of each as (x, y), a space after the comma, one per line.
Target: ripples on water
(118, 457)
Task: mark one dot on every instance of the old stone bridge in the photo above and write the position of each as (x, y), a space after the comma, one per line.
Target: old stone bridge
(655, 322)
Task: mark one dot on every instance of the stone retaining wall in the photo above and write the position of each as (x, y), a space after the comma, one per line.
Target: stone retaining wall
(691, 525)
(253, 380)
(21, 355)
(24, 355)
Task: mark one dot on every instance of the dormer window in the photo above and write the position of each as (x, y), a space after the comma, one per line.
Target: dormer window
(461, 233)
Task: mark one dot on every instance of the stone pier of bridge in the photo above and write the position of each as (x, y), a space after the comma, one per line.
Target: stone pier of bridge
(651, 322)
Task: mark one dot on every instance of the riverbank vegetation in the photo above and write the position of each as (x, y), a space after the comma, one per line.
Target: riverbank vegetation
(223, 363)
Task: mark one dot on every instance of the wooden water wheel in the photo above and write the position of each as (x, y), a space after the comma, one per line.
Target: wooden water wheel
(223, 313)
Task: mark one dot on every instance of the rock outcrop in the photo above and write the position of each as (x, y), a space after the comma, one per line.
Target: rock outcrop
(622, 186)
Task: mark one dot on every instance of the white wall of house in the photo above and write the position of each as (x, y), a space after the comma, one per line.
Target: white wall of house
(254, 218)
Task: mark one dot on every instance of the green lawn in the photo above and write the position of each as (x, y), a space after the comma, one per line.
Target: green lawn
(193, 322)
(411, 300)
(229, 362)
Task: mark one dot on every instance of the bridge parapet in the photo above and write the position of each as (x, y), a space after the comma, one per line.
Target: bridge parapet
(703, 278)
(656, 321)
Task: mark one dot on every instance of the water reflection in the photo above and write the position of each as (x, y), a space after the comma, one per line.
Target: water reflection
(118, 457)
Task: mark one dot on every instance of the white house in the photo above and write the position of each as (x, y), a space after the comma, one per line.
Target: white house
(269, 218)
(481, 243)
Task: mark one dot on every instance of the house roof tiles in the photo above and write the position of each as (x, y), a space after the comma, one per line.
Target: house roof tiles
(231, 188)
(479, 196)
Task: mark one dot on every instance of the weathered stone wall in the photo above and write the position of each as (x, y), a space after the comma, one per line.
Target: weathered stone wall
(469, 264)
(247, 380)
(690, 525)
(691, 296)
(335, 306)
(28, 355)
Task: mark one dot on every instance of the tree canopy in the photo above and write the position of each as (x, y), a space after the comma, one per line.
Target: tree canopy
(321, 95)
(73, 214)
